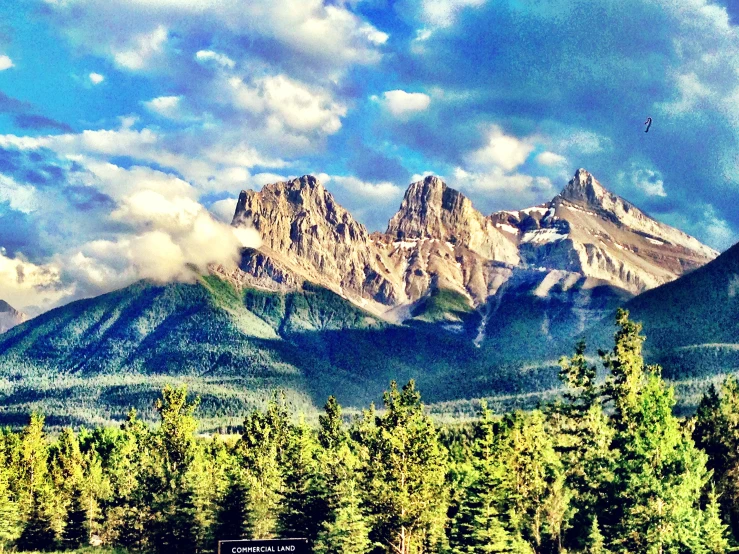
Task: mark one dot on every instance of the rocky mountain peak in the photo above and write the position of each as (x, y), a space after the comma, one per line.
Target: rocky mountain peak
(430, 209)
(583, 188)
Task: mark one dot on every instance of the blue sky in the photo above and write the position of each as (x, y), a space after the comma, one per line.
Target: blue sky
(126, 126)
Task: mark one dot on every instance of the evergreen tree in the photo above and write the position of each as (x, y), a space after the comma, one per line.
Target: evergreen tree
(9, 516)
(596, 541)
(653, 500)
(177, 529)
(37, 533)
(405, 472)
(714, 530)
(582, 436)
(75, 532)
(233, 516)
(262, 451)
(303, 508)
(344, 528)
(478, 525)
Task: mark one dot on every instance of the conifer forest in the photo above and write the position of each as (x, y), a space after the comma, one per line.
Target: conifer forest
(606, 468)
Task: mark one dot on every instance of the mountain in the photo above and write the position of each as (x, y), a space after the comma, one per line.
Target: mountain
(692, 324)
(469, 305)
(9, 316)
(585, 251)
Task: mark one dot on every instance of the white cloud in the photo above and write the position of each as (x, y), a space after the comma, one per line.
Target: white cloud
(224, 209)
(284, 103)
(585, 142)
(550, 159)
(510, 190)
(402, 104)
(29, 287)
(22, 198)
(5, 62)
(328, 37)
(141, 50)
(648, 181)
(442, 13)
(382, 192)
(166, 106)
(504, 151)
(96, 78)
(219, 59)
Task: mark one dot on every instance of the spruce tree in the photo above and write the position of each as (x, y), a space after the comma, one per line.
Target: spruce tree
(75, 531)
(303, 509)
(37, 533)
(262, 451)
(654, 497)
(405, 472)
(233, 519)
(714, 539)
(344, 528)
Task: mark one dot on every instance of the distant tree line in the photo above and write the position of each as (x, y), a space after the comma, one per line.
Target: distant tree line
(607, 468)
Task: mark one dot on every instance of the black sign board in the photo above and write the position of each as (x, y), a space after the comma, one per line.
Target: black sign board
(276, 546)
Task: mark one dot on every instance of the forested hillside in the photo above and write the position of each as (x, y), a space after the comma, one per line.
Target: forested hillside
(608, 468)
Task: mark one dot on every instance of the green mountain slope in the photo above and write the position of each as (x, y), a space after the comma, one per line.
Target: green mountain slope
(87, 362)
(691, 324)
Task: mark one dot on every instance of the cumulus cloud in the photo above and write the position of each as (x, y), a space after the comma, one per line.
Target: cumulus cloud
(141, 49)
(442, 13)
(20, 197)
(96, 78)
(495, 189)
(550, 159)
(287, 104)
(648, 181)
(402, 104)
(29, 287)
(165, 106)
(5, 62)
(501, 150)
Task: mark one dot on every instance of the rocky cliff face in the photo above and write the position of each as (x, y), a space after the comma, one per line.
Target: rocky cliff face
(438, 241)
(10, 317)
(589, 230)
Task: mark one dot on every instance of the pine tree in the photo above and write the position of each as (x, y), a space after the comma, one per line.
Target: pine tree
(75, 532)
(714, 538)
(303, 509)
(37, 533)
(233, 519)
(405, 473)
(596, 542)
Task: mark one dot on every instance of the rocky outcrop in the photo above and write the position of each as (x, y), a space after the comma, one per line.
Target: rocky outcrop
(10, 317)
(589, 230)
(430, 209)
(437, 240)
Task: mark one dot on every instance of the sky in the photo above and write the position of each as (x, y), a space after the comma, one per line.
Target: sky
(129, 127)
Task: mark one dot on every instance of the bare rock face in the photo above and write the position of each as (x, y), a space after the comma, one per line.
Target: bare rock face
(430, 209)
(589, 230)
(10, 317)
(307, 233)
(437, 240)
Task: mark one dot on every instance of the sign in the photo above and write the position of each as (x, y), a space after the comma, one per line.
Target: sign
(276, 546)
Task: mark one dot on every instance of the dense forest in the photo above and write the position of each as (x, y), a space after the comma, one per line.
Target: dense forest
(607, 468)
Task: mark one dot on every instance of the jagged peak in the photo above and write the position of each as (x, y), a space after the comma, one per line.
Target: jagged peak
(584, 188)
(422, 211)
